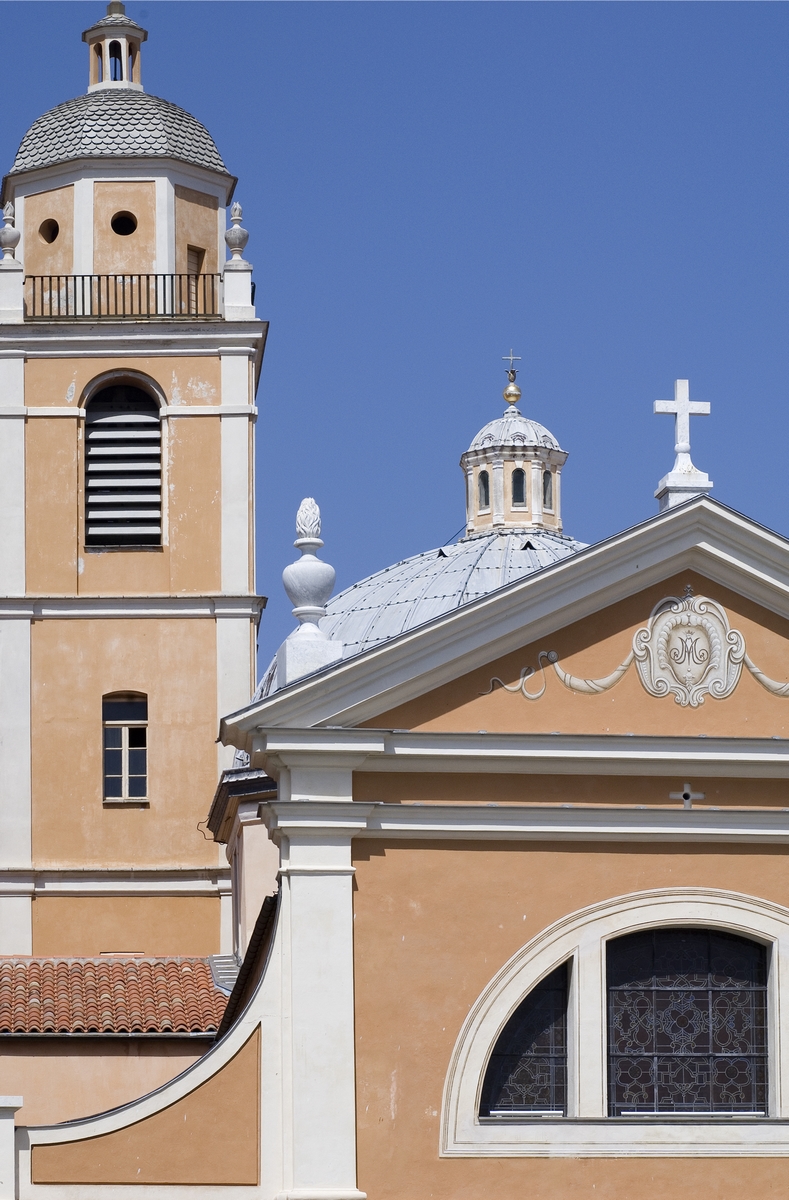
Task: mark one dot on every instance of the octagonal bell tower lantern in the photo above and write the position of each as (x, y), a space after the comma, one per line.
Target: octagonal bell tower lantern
(513, 471)
(130, 353)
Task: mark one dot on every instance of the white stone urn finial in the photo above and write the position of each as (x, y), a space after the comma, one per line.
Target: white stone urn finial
(308, 583)
(9, 236)
(236, 237)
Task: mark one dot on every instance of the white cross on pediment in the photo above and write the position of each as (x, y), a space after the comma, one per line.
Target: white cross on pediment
(684, 481)
(683, 409)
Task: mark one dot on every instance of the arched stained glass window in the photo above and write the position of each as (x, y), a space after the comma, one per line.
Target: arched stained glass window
(527, 1072)
(687, 1023)
(518, 487)
(483, 488)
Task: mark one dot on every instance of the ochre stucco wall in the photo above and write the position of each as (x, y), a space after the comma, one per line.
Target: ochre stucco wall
(210, 1136)
(74, 663)
(86, 926)
(62, 1079)
(50, 258)
(56, 559)
(196, 224)
(116, 254)
(433, 924)
(593, 648)
(405, 788)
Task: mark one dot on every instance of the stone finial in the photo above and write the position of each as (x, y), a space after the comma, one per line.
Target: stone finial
(308, 520)
(236, 237)
(308, 583)
(9, 236)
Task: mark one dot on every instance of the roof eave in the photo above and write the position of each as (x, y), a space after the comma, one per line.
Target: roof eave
(88, 160)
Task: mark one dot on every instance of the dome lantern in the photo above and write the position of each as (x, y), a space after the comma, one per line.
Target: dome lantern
(114, 47)
(513, 469)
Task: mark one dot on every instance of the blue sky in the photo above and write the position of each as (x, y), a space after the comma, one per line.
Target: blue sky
(602, 186)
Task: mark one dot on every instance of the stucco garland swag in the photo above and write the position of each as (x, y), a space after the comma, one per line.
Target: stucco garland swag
(687, 649)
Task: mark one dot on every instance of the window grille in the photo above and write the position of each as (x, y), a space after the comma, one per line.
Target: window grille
(518, 487)
(483, 488)
(123, 469)
(527, 1072)
(687, 1023)
(125, 721)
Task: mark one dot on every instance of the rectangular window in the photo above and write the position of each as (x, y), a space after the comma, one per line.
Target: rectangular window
(125, 721)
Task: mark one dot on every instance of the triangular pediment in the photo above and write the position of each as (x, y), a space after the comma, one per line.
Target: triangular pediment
(586, 610)
(683, 657)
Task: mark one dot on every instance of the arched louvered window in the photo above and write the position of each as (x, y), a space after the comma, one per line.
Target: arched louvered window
(123, 469)
(547, 491)
(687, 1023)
(483, 489)
(518, 488)
(527, 1071)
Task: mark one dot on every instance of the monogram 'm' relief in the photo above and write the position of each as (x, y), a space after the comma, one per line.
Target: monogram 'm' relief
(687, 650)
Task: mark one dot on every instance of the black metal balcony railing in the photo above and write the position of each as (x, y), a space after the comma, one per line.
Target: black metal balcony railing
(119, 297)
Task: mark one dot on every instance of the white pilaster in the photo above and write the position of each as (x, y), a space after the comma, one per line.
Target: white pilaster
(235, 456)
(12, 474)
(8, 1106)
(318, 998)
(536, 491)
(83, 227)
(165, 226)
(497, 485)
(234, 682)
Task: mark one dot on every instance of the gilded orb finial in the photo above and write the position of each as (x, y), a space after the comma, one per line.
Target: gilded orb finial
(512, 392)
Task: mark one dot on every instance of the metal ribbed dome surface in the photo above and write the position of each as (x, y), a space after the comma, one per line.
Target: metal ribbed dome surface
(116, 123)
(513, 429)
(427, 586)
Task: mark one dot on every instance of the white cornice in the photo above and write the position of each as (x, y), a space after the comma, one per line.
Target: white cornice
(702, 535)
(58, 608)
(133, 339)
(164, 881)
(524, 822)
(530, 753)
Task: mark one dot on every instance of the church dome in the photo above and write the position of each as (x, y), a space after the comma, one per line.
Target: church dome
(429, 585)
(116, 123)
(513, 429)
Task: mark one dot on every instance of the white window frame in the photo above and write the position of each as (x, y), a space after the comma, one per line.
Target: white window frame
(587, 1130)
(124, 727)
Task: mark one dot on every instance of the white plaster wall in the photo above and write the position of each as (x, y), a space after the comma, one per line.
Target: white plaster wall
(12, 474)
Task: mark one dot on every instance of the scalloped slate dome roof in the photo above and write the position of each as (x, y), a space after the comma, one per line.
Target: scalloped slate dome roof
(429, 585)
(513, 429)
(116, 123)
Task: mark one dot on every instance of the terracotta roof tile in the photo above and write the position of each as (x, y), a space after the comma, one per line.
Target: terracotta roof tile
(109, 995)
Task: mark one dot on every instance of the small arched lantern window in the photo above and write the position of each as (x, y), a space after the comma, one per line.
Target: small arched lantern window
(483, 489)
(116, 62)
(518, 488)
(97, 50)
(547, 491)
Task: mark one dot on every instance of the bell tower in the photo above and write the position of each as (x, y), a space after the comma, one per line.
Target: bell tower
(130, 352)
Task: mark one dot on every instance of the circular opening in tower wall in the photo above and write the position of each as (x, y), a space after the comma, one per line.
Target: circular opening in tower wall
(124, 223)
(49, 230)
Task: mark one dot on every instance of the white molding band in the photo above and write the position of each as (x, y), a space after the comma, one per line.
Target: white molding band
(169, 410)
(206, 881)
(587, 1131)
(59, 608)
(530, 753)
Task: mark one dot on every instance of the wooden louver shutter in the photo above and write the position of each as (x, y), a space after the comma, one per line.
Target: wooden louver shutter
(123, 469)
